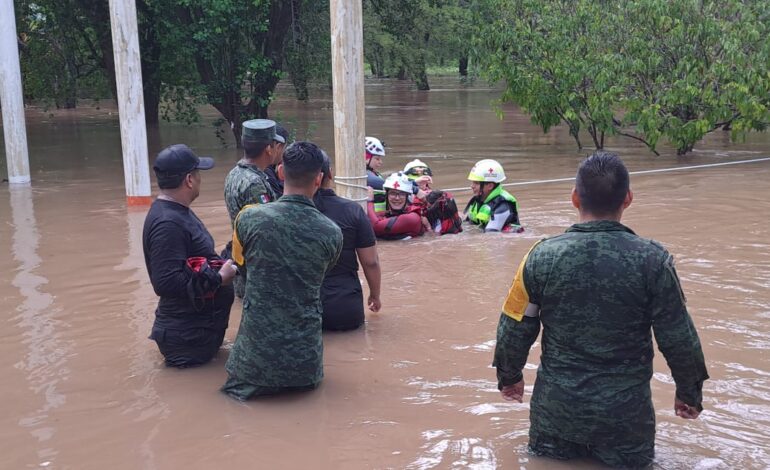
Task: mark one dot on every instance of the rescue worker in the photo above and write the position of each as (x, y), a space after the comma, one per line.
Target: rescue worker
(416, 170)
(195, 297)
(341, 293)
(247, 182)
(401, 219)
(276, 183)
(598, 290)
(439, 207)
(492, 208)
(375, 150)
(287, 247)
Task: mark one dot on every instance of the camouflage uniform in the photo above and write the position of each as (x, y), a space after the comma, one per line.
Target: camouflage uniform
(599, 290)
(287, 248)
(245, 184)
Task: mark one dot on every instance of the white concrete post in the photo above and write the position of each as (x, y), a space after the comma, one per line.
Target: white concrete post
(11, 98)
(128, 77)
(348, 87)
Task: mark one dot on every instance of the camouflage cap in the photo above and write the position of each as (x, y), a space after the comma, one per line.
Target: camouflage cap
(260, 130)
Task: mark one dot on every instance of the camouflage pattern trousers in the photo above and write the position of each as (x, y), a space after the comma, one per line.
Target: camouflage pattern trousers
(639, 455)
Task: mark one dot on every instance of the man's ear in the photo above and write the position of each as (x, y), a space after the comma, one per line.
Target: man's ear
(575, 199)
(279, 170)
(318, 179)
(188, 180)
(628, 200)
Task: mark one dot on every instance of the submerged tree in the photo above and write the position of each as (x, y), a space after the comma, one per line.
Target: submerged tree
(645, 70)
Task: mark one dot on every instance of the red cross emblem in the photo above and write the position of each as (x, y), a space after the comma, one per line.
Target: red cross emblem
(490, 171)
(396, 185)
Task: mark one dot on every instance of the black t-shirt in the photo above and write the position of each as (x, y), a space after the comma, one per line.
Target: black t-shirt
(357, 231)
(272, 178)
(172, 233)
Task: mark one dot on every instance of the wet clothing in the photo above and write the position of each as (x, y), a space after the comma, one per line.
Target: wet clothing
(341, 293)
(390, 225)
(245, 184)
(598, 290)
(498, 213)
(188, 328)
(287, 247)
(275, 183)
(374, 179)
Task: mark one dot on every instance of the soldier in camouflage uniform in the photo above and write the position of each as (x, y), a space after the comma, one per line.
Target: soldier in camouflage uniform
(247, 182)
(287, 248)
(598, 290)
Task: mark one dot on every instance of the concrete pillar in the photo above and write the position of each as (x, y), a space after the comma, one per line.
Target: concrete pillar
(12, 99)
(128, 77)
(348, 86)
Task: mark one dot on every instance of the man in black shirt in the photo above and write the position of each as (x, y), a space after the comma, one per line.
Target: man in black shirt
(192, 281)
(341, 294)
(276, 183)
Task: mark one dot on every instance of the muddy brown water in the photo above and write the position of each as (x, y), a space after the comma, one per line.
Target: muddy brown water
(83, 388)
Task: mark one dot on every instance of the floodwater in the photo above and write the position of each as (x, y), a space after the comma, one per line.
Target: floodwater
(83, 388)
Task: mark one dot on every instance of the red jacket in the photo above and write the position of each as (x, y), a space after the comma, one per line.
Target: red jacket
(396, 226)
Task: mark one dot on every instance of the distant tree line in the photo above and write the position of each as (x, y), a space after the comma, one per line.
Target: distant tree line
(648, 69)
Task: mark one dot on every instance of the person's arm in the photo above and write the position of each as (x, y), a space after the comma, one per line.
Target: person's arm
(370, 262)
(168, 243)
(678, 340)
(516, 332)
(497, 221)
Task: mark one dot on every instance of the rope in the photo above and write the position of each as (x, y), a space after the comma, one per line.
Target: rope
(641, 172)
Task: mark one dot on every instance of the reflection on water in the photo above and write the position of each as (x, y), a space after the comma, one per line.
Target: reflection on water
(415, 388)
(44, 360)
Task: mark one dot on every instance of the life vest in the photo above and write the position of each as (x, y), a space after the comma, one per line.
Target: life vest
(482, 213)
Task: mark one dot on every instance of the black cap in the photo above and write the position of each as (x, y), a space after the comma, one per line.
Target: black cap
(180, 159)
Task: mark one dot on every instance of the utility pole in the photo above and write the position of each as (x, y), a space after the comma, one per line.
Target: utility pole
(348, 87)
(128, 77)
(12, 99)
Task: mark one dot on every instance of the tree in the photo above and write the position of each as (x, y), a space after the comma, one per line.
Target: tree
(308, 47)
(646, 69)
(237, 49)
(59, 57)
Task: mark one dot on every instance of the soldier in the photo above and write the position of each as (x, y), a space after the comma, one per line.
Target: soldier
(195, 299)
(598, 290)
(276, 183)
(247, 182)
(287, 248)
(492, 208)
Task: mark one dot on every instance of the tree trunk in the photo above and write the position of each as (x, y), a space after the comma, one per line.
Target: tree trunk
(149, 43)
(419, 75)
(463, 66)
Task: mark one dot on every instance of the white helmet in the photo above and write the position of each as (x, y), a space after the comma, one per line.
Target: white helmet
(410, 167)
(399, 182)
(487, 171)
(374, 146)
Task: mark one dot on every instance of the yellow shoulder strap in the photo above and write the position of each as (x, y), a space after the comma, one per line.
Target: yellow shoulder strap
(518, 298)
(237, 250)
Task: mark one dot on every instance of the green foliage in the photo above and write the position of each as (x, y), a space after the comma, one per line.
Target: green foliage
(645, 70)
(58, 56)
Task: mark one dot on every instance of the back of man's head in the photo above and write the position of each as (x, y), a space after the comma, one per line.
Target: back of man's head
(302, 163)
(602, 183)
(254, 148)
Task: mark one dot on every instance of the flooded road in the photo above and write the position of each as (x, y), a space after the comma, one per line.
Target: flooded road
(83, 387)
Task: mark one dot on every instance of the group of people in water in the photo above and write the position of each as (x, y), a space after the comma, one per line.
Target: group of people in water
(598, 290)
(190, 277)
(404, 204)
